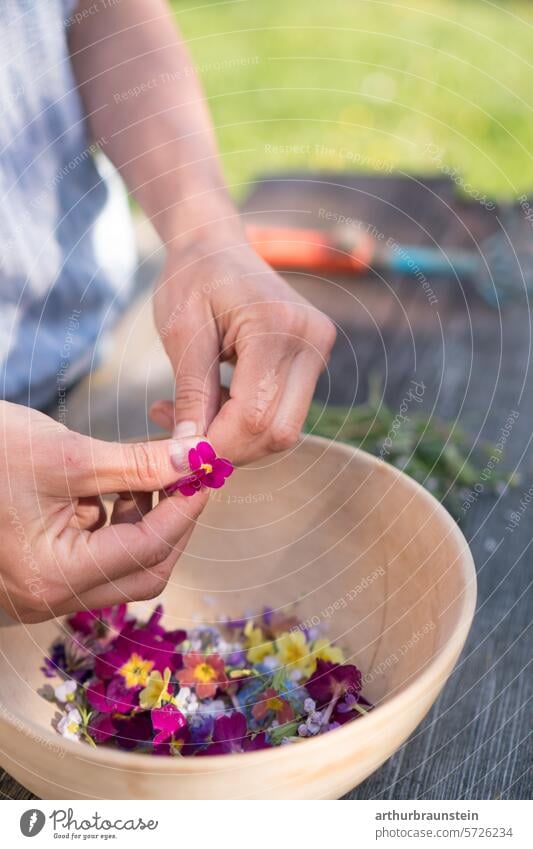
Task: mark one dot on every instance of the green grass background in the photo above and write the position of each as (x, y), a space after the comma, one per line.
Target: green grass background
(343, 84)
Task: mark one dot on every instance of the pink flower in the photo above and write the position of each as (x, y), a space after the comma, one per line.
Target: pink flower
(168, 721)
(207, 470)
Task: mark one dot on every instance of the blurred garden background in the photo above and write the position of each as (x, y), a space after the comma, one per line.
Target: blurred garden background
(373, 85)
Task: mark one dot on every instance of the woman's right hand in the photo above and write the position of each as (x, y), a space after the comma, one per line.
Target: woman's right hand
(57, 554)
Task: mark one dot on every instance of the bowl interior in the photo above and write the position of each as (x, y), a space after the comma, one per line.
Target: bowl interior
(339, 539)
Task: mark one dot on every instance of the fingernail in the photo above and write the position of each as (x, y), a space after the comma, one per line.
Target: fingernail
(184, 437)
(185, 428)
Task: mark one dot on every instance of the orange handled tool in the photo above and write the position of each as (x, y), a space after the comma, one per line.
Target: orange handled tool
(349, 251)
(319, 250)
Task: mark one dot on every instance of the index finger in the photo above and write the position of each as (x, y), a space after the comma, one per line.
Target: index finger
(242, 430)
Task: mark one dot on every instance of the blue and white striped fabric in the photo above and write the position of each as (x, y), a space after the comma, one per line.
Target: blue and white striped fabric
(67, 254)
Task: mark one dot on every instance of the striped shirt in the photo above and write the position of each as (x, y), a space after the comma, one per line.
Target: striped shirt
(67, 253)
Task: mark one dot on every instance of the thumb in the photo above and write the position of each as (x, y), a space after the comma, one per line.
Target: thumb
(193, 349)
(93, 466)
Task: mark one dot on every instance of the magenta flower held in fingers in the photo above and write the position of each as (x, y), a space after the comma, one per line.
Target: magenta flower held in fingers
(207, 470)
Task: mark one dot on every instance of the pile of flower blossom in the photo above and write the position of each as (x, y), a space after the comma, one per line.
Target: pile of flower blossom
(240, 686)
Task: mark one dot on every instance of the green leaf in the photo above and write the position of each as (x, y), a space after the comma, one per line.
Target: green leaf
(289, 729)
(279, 680)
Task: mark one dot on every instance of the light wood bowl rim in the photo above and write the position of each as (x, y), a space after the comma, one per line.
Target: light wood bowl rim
(436, 670)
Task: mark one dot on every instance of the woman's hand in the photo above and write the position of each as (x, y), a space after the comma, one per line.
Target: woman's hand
(217, 300)
(56, 556)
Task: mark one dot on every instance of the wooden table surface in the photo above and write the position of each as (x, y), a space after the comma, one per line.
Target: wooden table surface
(474, 361)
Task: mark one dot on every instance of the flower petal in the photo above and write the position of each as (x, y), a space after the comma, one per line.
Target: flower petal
(230, 729)
(97, 698)
(215, 749)
(259, 742)
(223, 467)
(187, 485)
(101, 728)
(206, 452)
(195, 460)
(154, 620)
(189, 488)
(133, 730)
(205, 689)
(168, 718)
(214, 481)
(107, 665)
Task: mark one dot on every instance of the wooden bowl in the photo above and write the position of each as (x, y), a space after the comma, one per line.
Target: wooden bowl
(348, 543)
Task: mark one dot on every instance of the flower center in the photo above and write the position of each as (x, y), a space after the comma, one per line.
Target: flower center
(207, 468)
(274, 704)
(204, 673)
(136, 670)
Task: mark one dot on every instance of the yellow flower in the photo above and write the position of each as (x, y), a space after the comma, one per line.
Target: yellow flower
(156, 690)
(294, 652)
(323, 650)
(136, 670)
(258, 648)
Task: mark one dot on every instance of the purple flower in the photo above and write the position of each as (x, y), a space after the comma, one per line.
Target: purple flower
(236, 658)
(230, 735)
(98, 622)
(268, 613)
(154, 627)
(71, 658)
(131, 731)
(101, 728)
(236, 623)
(56, 661)
(113, 697)
(331, 681)
(206, 470)
(201, 728)
(352, 707)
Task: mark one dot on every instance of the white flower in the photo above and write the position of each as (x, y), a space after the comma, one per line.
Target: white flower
(312, 725)
(186, 701)
(65, 692)
(69, 726)
(212, 707)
